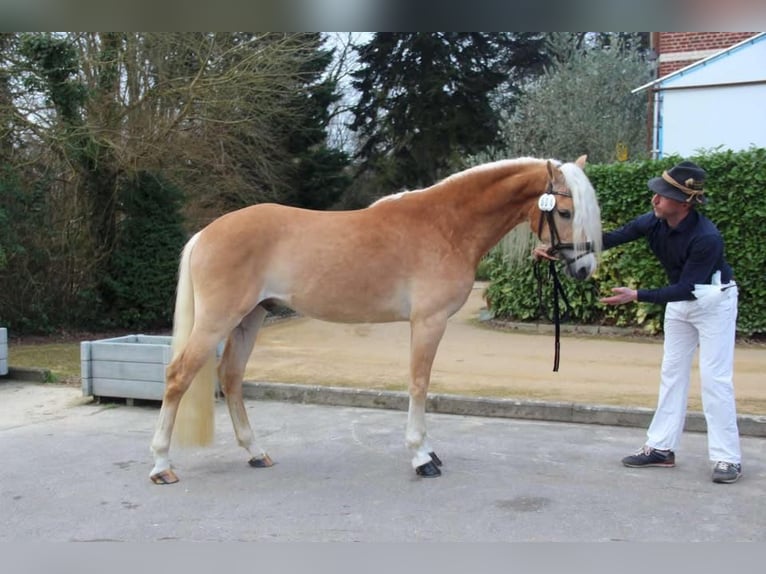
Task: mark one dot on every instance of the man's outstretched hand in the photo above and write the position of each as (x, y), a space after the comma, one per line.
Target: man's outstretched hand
(621, 295)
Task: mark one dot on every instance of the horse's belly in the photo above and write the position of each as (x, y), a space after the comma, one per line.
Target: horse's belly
(348, 315)
(348, 306)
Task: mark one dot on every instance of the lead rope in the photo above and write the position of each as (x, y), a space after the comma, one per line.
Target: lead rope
(558, 291)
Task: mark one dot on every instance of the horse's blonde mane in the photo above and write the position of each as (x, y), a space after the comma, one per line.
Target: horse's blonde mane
(587, 218)
(491, 168)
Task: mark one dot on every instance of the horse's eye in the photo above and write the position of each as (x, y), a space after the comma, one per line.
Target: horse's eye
(565, 214)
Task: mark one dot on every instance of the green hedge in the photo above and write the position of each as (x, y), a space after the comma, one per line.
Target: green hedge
(736, 188)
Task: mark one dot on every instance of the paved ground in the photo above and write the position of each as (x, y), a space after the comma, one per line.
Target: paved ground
(77, 471)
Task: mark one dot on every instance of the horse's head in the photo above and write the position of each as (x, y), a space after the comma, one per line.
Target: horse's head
(569, 218)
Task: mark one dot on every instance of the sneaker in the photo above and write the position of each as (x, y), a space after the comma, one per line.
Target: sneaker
(648, 456)
(726, 472)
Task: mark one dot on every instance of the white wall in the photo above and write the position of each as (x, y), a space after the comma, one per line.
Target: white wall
(731, 117)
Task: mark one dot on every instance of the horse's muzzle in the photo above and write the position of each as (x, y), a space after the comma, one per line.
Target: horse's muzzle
(578, 266)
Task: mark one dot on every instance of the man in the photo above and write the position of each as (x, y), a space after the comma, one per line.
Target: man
(701, 310)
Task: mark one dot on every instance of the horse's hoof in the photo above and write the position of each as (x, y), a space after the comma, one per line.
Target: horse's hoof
(263, 462)
(428, 470)
(436, 460)
(164, 477)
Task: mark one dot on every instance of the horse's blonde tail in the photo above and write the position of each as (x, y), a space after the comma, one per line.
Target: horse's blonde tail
(195, 419)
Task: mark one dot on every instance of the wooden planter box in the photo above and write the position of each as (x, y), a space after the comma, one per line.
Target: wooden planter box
(131, 367)
(3, 351)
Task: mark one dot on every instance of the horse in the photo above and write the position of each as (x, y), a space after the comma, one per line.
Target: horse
(411, 256)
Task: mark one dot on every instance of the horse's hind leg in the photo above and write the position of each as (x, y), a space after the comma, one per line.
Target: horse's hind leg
(425, 337)
(231, 371)
(180, 374)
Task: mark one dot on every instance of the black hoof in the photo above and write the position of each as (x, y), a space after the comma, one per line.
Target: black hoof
(263, 462)
(428, 470)
(436, 460)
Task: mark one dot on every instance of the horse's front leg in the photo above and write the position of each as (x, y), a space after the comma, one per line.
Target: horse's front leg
(425, 337)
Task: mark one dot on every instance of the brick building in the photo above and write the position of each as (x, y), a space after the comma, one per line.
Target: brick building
(676, 50)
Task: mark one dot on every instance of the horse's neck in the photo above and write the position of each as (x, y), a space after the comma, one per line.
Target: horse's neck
(490, 204)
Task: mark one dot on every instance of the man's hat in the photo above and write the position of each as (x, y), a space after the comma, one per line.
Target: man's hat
(683, 182)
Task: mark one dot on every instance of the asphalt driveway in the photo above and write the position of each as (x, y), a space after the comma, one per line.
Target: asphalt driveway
(75, 470)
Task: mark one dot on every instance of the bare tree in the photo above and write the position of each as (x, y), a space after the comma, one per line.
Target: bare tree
(205, 108)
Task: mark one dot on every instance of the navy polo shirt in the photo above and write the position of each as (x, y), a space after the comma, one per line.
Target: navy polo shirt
(690, 253)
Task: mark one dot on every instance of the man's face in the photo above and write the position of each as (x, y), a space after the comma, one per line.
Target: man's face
(666, 208)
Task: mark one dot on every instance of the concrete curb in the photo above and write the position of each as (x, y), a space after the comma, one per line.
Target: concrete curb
(32, 375)
(749, 425)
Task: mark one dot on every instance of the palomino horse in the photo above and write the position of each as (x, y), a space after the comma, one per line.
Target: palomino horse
(411, 257)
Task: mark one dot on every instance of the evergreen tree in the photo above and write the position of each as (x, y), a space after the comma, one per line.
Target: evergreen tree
(138, 291)
(426, 99)
(320, 176)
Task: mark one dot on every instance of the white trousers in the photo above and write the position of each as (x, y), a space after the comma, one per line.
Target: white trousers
(709, 323)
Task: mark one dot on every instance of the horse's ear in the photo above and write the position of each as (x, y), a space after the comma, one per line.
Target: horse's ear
(580, 161)
(550, 170)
